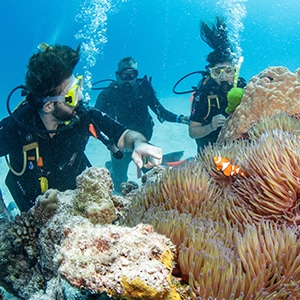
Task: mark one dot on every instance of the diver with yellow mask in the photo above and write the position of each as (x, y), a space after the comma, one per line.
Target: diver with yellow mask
(220, 90)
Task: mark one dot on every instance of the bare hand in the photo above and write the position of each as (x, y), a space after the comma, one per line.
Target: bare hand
(218, 121)
(184, 120)
(146, 155)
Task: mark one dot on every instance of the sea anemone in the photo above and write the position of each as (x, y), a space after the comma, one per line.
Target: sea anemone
(271, 189)
(281, 122)
(185, 189)
(233, 233)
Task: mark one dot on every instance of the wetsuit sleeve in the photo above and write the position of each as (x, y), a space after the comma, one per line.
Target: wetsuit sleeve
(112, 129)
(162, 113)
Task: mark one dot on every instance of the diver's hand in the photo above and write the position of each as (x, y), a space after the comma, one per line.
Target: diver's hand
(146, 155)
(184, 119)
(217, 121)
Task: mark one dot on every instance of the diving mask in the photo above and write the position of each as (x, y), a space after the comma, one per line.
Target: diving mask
(216, 72)
(72, 97)
(128, 74)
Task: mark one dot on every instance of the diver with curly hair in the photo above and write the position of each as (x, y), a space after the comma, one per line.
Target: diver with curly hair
(211, 103)
(46, 135)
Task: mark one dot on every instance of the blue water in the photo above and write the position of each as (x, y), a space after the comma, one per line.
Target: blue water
(163, 36)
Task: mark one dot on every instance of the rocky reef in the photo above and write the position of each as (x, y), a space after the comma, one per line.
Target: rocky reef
(65, 247)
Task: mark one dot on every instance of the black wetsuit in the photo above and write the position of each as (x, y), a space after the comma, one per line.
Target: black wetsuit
(129, 105)
(208, 101)
(62, 155)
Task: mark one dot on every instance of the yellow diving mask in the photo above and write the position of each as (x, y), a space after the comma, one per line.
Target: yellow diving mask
(216, 72)
(72, 96)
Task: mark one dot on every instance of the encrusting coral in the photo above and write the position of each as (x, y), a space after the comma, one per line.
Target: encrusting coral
(55, 243)
(134, 263)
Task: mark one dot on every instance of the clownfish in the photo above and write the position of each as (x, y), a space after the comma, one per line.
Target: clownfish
(223, 164)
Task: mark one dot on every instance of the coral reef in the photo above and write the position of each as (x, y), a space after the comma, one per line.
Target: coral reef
(93, 199)
(233, 234)
(272, 91)
(51, 243)
(234, 237)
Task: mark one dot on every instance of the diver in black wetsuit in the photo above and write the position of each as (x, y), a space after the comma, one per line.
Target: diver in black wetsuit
(45, 137)
(127, 101)
(211, 98)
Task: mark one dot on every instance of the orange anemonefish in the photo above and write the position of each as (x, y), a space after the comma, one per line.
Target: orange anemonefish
(175, 163)
(223, 164)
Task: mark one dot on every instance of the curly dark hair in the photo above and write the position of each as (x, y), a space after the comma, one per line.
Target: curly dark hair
(47, 69)
(216, 37)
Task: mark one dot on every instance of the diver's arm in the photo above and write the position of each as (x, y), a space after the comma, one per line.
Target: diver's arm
(129, 139)
(161, 112)
(197, 130)
(165, 115)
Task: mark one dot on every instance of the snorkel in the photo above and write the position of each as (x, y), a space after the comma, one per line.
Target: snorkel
(237, 71)
(235, 95)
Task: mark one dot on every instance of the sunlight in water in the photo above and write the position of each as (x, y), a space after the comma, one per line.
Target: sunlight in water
(93, 15)
(234, 11)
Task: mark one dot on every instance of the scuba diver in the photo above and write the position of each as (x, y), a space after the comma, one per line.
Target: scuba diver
(46, 135)
(220, 90)
(126, 100)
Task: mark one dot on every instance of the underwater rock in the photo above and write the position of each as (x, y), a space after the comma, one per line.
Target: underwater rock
(54, 237)
(93, 199)
(273, 91)
(134, 263)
